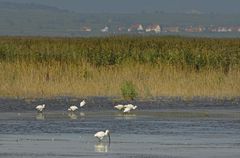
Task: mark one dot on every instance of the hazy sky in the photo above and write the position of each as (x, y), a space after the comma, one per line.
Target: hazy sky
(132, 6)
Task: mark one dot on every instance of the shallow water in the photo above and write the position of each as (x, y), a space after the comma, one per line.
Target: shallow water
(161, 132)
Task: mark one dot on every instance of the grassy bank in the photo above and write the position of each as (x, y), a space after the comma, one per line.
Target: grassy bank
(157, 66)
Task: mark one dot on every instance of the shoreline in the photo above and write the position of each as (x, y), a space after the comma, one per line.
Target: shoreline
(95, 103)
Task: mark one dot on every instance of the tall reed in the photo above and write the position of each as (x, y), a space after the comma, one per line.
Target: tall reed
(26, 79)
(157, 66)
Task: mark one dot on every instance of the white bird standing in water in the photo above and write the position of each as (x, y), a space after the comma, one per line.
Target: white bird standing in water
(127, 110)
(40, 108)
(82, 103)
(119, 106)
(130, 106)
(72, 108)
(101, 134)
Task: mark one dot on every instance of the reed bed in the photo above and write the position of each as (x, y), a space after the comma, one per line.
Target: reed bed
(37, 80)
(157, 66)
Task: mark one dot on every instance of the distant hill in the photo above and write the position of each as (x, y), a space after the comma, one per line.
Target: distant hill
(23, 6)
(33, 19)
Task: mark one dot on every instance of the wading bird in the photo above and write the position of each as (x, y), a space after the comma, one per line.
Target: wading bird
(127, 110)
(73, 108)
(82, 103)
(101, 134)
(40, 108)
(119, 107)
(130, 106)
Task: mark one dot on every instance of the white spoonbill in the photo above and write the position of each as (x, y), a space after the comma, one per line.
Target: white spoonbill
(127, 110)
(82, 103)
(119, 106)
(101, 134)
(130, 106)
(40, 108)
(72, 108)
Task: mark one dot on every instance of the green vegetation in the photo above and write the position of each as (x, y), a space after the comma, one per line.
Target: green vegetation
(196, 53)
(128, 90)
(156, 66)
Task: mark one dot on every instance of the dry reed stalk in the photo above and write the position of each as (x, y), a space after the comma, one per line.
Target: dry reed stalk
(45, 80)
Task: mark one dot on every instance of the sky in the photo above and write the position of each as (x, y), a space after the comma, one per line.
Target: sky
(138, 6)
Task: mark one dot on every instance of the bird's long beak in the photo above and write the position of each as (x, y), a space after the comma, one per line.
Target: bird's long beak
(109, 138)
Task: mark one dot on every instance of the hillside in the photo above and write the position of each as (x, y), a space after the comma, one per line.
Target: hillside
(33, 19)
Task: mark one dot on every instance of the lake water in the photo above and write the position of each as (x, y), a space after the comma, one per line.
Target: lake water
(172, 131)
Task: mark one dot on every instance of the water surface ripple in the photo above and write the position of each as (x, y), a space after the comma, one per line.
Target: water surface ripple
(189, 130)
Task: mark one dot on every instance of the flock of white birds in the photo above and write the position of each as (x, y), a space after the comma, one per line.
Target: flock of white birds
(125, 108)
(74, 107)
(101, 134)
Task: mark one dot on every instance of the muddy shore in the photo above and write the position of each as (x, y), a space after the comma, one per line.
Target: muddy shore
(95, 103)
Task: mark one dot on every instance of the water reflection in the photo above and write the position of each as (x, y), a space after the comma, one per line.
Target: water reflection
(72, 116)
(40, 116)
(125, 116)
(101, 147)
(82, 114)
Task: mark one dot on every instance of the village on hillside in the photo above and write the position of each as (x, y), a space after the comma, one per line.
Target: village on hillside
(156, 28)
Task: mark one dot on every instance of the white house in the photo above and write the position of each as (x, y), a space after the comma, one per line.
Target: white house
(105, 29)
(153, 28)
(86, 29)
(224, 29)
(140, 28)
(136, 27)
